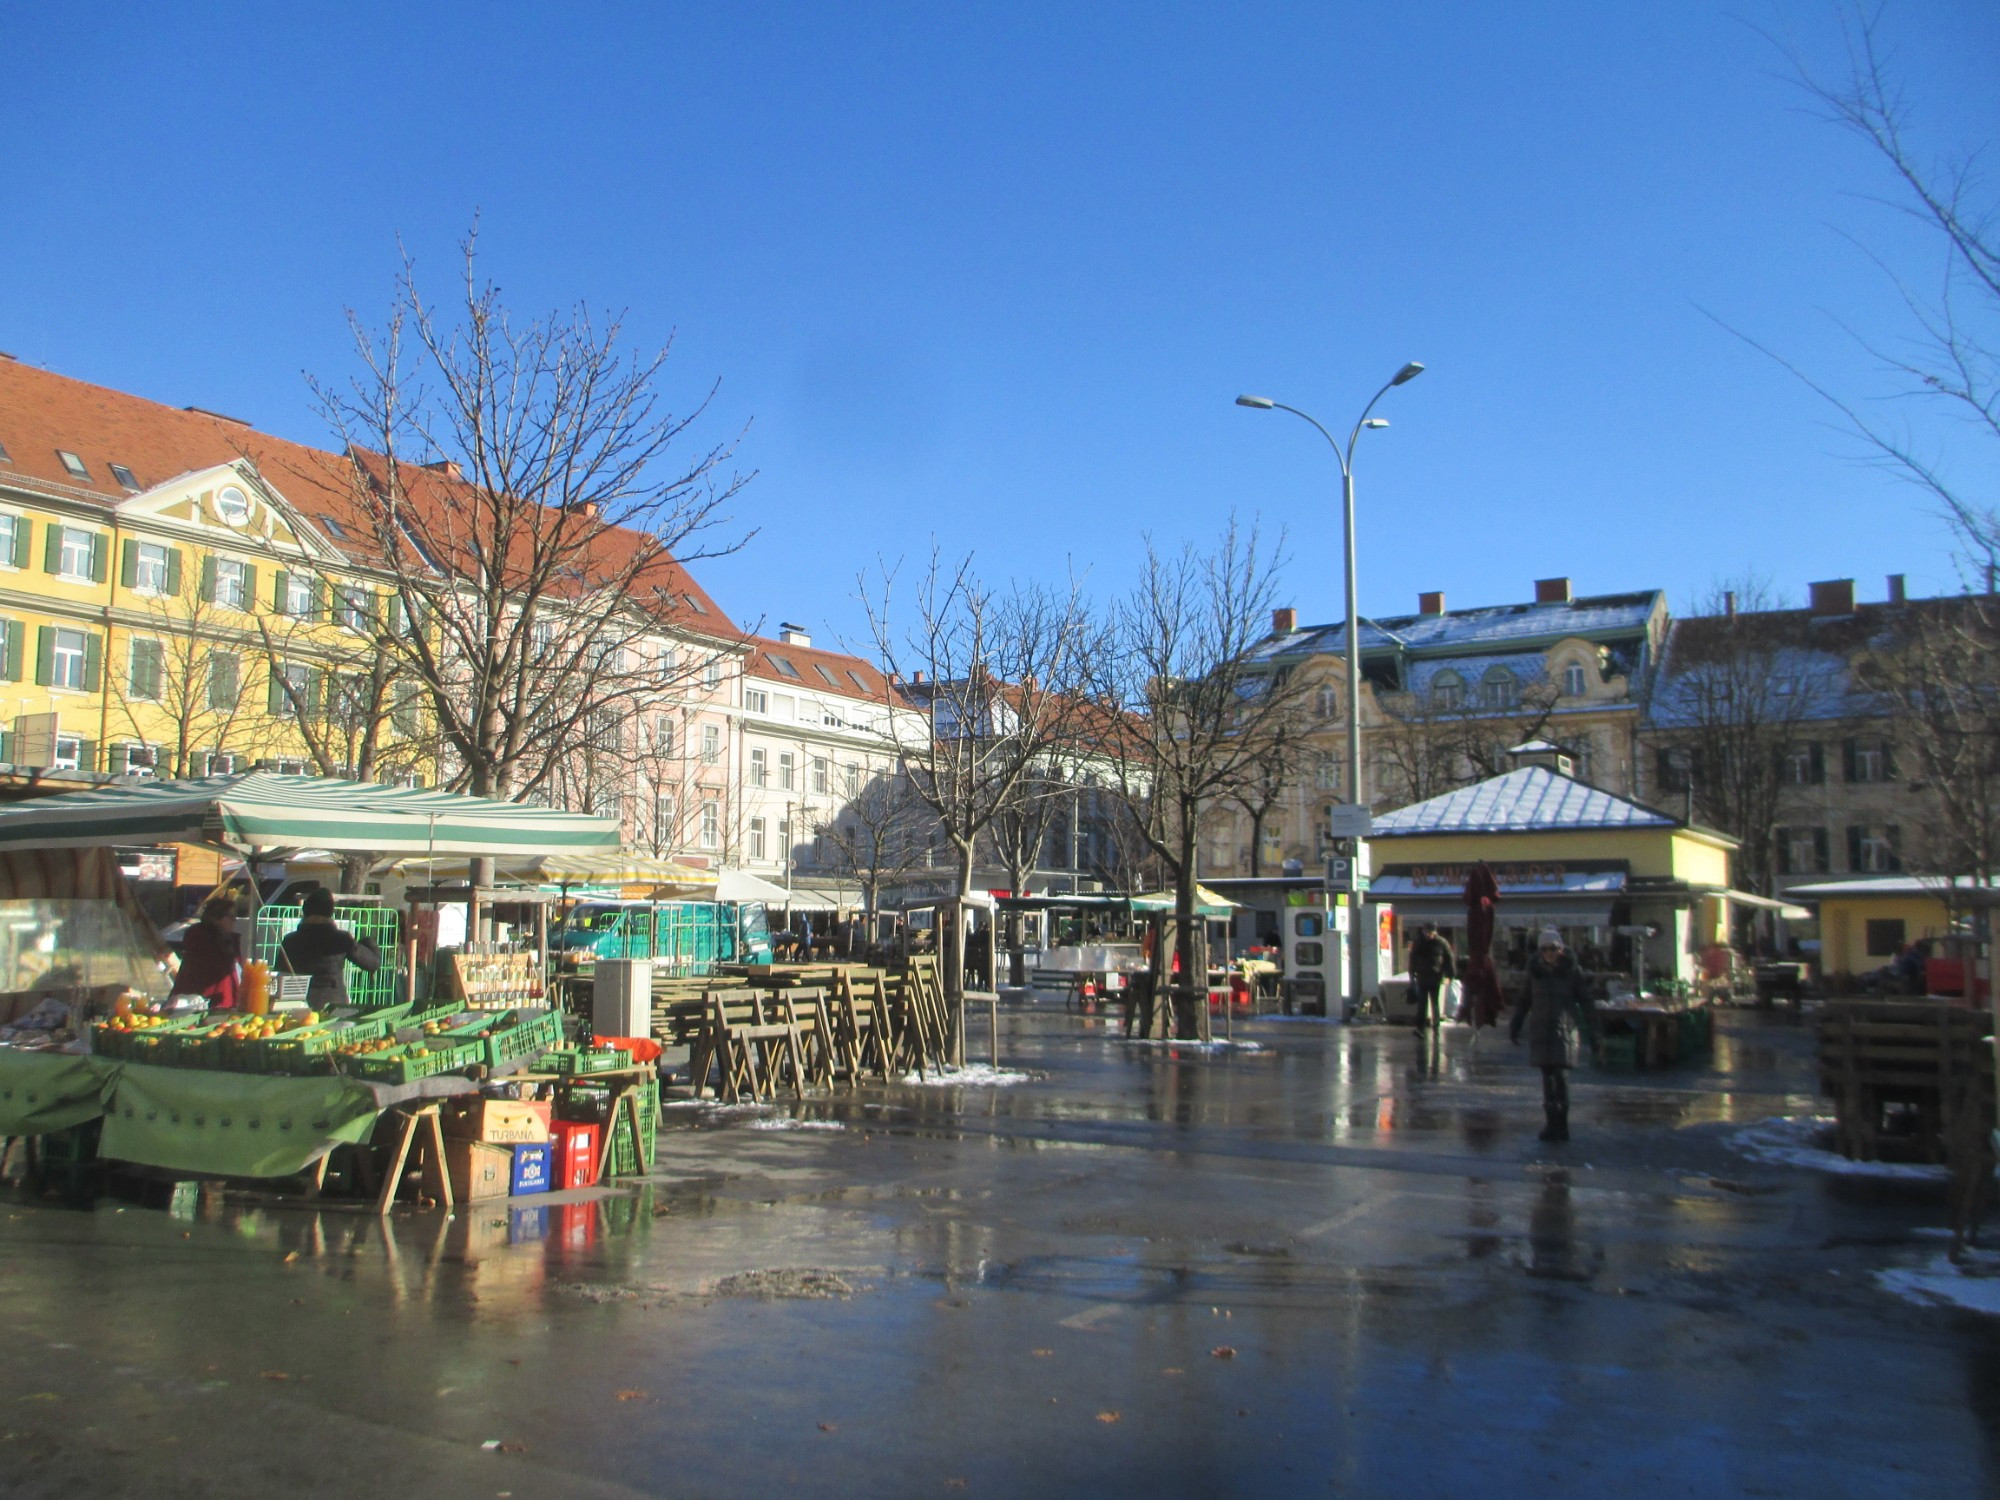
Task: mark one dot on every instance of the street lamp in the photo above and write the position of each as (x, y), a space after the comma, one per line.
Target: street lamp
(1345, 457)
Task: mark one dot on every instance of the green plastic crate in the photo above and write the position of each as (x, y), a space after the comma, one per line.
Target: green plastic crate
(530, 1037)
(1618, 1054)
(381, 925)
(623, 1162)
(579, 1061)
(403, 1065)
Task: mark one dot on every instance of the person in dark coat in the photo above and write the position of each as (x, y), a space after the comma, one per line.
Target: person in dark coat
(1431, 963)
(1555, 1006)
(212, 955)
(324, 951)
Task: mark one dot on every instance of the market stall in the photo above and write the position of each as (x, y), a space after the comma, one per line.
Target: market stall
(256, 1095)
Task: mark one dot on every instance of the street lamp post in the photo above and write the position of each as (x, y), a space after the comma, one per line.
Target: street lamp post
(1345, 458)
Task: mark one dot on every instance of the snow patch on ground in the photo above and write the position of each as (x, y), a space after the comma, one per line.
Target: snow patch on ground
(787, 1123)
(1974, 1286)
(710, 1109)
(1794, 1141)
(1219, 1044)
(972, 1075)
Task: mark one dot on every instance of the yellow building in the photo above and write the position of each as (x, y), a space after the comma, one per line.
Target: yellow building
(1566, 855)
(177, 596)
(1864, 923)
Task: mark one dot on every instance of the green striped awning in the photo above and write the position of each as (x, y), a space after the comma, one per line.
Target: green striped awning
(264, 810)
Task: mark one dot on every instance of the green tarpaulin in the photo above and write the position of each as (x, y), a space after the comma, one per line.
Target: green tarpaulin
(185, 1119)
(232, 1124)
(44, 1091)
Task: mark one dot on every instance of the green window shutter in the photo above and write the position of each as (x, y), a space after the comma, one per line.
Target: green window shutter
(174, 571)
(278, 703)
(398, 616)
(316, 696)
(278, 593)
(249, 586)
(116, 759)
(318, 610)
(24, 532)
(208, 580)
(52, 550)
(1818, 763)
(45, 655)
(86, 755)
(6, 747)
(10, 652)
(98, 559)
(128, 564)
(93, 663)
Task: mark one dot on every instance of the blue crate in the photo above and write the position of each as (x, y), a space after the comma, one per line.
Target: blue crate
(532, 1169)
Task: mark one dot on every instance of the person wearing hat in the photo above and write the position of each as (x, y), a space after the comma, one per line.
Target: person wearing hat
(1555, 1007)
(1431, 963)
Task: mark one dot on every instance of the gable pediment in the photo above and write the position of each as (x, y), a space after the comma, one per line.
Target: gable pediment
(227, 506)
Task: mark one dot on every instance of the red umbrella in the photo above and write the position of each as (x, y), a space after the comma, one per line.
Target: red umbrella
(1483, 1000)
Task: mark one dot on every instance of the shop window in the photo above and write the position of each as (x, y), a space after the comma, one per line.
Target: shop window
(1885, 936)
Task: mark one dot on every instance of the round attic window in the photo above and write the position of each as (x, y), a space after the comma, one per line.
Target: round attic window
(232, 505)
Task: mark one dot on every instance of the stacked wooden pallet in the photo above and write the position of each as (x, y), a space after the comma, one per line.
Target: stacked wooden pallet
(1926, 1060)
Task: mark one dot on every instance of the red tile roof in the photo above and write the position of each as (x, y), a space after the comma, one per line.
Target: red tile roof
(808, 663)
(42, 413)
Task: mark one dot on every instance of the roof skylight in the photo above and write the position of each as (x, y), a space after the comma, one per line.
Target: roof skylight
(783, 666)
(334, 528)
(124, 476)
(831, 680)
(71, 462)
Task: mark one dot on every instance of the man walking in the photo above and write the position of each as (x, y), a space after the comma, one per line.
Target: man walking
(1431, 963)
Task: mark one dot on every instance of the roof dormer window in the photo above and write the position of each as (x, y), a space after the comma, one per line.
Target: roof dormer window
(72, 463)
(4, 458)
(333, 527)
(124, 477)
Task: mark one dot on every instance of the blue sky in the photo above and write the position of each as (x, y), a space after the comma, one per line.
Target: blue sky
(995, 274)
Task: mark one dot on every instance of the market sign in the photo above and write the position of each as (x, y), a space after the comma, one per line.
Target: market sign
(1539, 874)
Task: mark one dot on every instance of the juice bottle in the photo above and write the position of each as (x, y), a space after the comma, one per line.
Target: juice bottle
(257, 987)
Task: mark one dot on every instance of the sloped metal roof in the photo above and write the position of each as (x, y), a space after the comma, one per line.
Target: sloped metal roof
(1532, 799)
(1493, 627)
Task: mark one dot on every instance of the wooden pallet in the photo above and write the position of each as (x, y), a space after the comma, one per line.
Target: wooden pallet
(1934, 1058)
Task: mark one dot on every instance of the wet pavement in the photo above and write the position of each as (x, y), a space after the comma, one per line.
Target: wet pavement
(1330, 1261)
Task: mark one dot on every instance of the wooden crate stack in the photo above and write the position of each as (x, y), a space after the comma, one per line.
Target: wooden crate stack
(1926, 1055)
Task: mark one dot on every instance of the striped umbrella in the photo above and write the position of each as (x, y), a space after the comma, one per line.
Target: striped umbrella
(264, 810)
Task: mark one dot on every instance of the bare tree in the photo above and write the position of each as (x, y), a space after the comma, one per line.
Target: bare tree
(879, 835)
(1272, 776)
(519, 493)
(1940, 672)
(1434, 741)
(1738, 683)
(997, 678)
(185, 671)
(1944, 362)
(1194, 706)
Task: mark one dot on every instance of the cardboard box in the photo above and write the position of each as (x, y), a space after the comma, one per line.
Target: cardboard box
(531, 1169)
(497, 1122)
(478, 1170)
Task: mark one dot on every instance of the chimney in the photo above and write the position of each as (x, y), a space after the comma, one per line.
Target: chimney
(447, 467)
(1552, 591)
(1284, 621)
(1832, 598)
(794, 635)
(917, 678)
(1729, 603)
(1897, 593)
(1431, 604)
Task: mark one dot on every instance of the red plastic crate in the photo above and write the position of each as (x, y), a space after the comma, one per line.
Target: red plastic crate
(574, 1146)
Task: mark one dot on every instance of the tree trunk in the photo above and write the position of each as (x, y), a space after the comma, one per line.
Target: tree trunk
(354, 872)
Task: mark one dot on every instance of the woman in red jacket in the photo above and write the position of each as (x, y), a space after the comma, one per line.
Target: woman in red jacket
(212, 955)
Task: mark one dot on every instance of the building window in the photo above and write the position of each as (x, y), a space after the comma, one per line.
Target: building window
(1327, 703)
(354, 608)
(711, 823)
(128, 758)
(1869, 761)
(76, 554)
(1804, 765)
(232, 583)
(1874, 850)
(853, 780)
(296, 595)
(72, 463)
(403, 717)
(13, 541)
(149, 568)
(1498, 689)
(785, 777)
(757, 838)
(711, 744)
(1573, 680)
(711, 672)
(125, 477)
(759, 771)
(1448, 691)
(225, 680)
(144, 669)
(756, 700)
(1326, 773)
(1675, 767)
(69, 753)
(291, 687)
(1802, 851)
(819, 782)
(1885, 936)
(69, 651)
